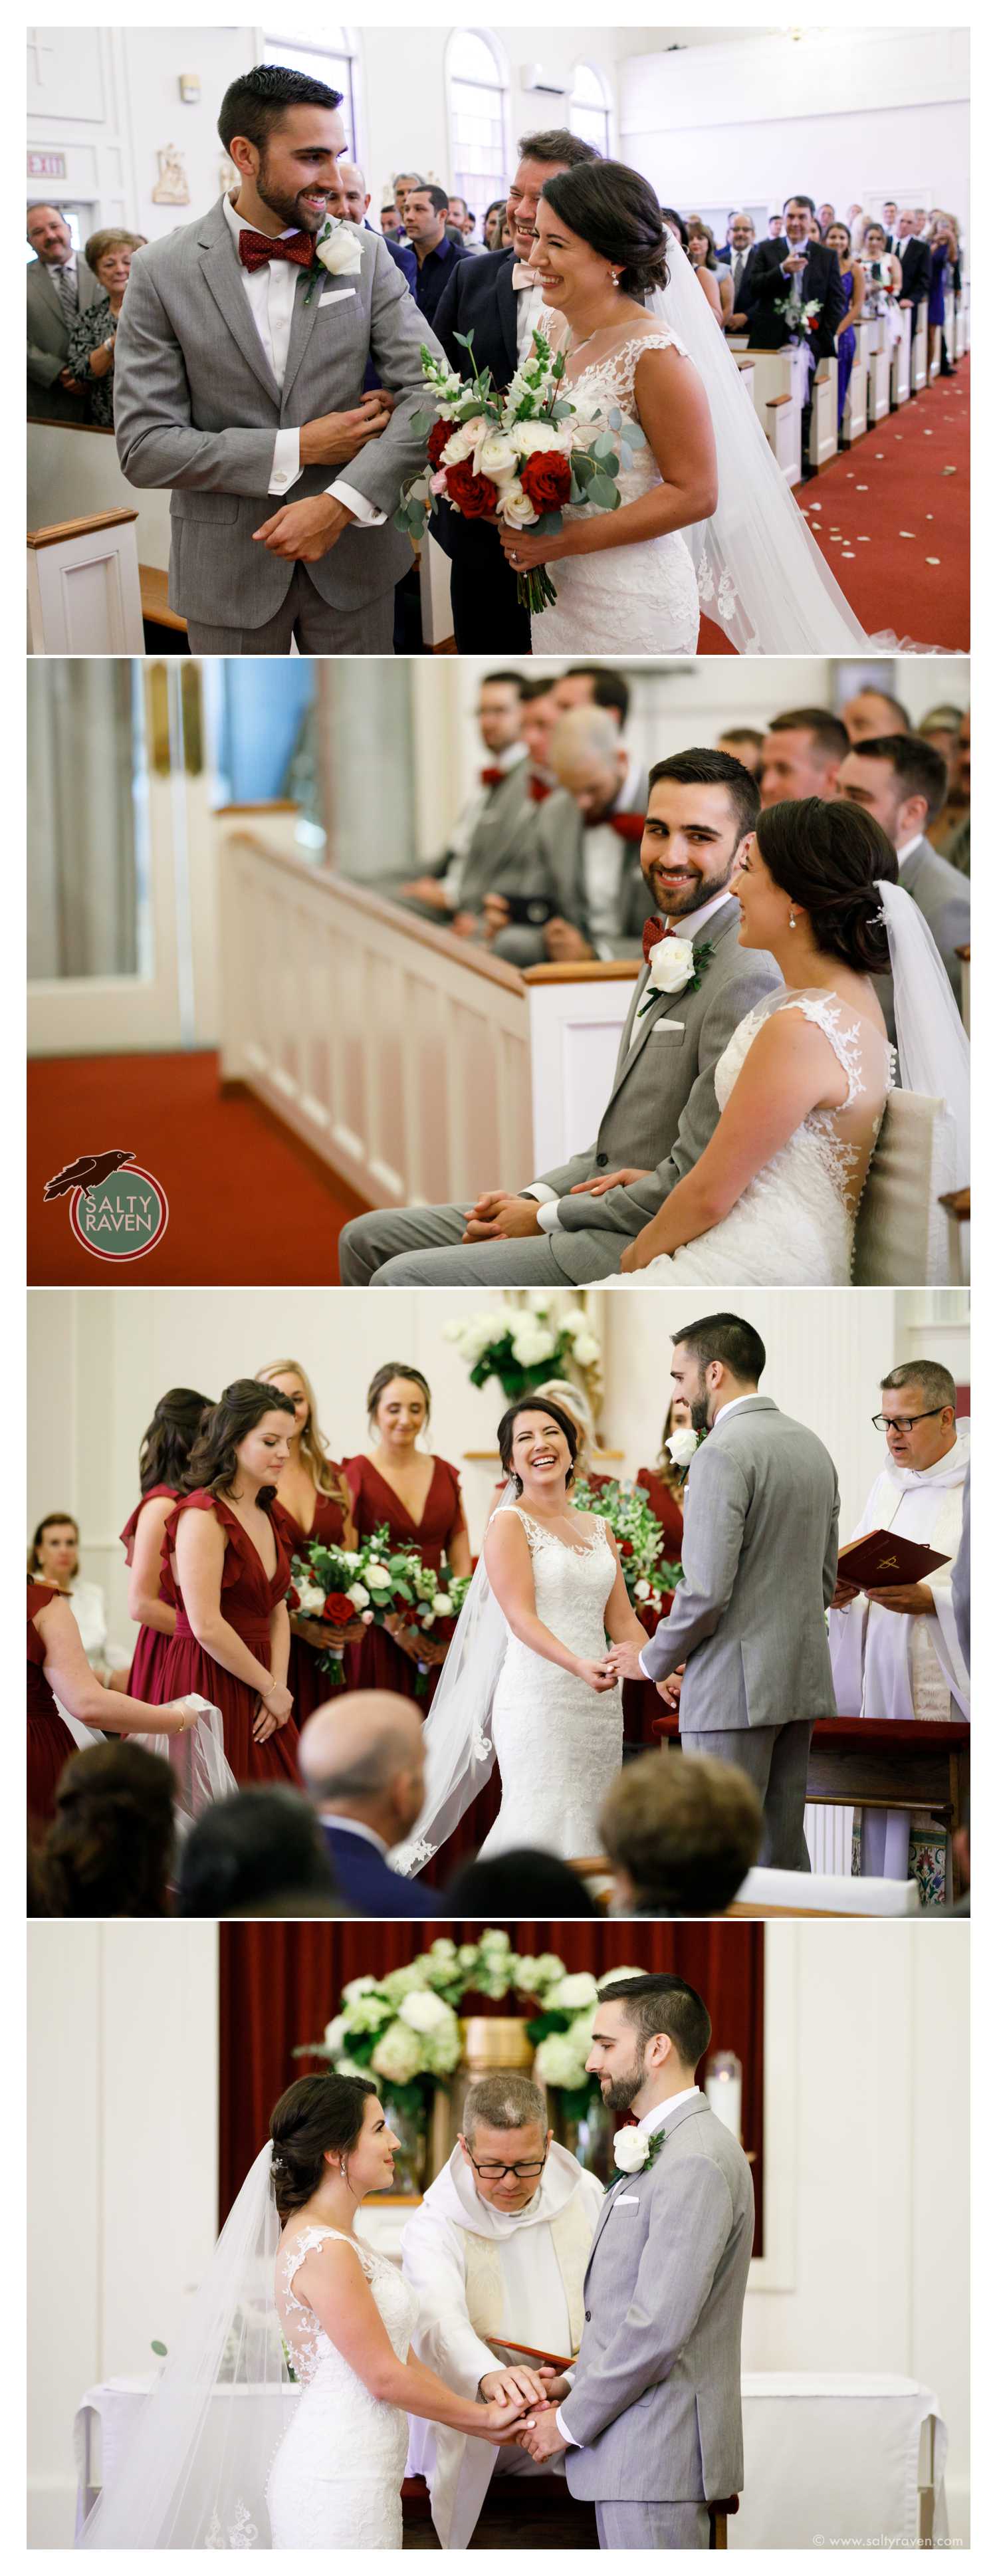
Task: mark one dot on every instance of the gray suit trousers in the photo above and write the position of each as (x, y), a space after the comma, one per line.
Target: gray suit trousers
(316, 627)
(776, 1759)
(422, 1248)
(653, 2526)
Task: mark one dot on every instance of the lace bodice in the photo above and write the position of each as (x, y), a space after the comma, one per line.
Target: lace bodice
(558, 1741)
(307, 2342)
(835, 1145)
(643, 598)
(335, 2481)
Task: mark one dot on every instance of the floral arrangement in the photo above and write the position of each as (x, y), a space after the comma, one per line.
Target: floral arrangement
(513, 457)
(337, 251)
(637, 1530)
(376, 1583)
(403, 2029)
(527, 1346)
(802, 319)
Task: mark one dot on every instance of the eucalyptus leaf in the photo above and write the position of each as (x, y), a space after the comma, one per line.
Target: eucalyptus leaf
(549, 524)
(603, 494)
(561, 411)
(615, 417)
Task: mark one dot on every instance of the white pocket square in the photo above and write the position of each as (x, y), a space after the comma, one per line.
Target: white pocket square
(659, 1025)
(334, 294)
(627, 2200)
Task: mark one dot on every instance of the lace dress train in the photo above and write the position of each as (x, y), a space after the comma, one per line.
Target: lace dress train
(559, 1744)
(336, 2480)
(639, 598)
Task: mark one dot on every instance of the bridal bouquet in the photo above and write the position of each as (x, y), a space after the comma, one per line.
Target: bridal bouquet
(648, 1575)
(347, 1589)
(514, 457)
(527, 1346)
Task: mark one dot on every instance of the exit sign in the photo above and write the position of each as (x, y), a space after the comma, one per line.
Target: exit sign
(46, 165)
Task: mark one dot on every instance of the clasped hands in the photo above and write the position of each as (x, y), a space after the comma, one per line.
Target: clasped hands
(540, 2393)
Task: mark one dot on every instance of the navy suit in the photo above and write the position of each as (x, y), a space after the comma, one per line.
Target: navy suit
(363, 1877)
(406, 261)
(479, 297)
(915, 271)
(765, 287)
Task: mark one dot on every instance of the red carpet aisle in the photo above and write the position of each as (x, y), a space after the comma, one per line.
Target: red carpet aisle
(248, 1205)
(892, 520)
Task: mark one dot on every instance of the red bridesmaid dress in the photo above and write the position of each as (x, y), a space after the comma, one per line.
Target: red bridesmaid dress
(49, 1741)
(151, 1644)
(248, 1595)
(665, 1509)
(641, 1702)
(308, 1686)
(378, 1664)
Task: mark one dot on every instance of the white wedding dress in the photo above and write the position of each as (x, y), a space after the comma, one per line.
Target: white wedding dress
(794, 1224)
(559, 1744)
(631, 599)
(336, 2480)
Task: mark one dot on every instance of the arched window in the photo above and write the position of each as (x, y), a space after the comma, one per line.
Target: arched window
(334, 60)
(589, 113)
(477, 93)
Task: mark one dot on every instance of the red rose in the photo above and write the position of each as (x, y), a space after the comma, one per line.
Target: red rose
(626, 1547)
(337, 1609)
(438, 436)
(546, 479)
(293, 1598)
(474, 495)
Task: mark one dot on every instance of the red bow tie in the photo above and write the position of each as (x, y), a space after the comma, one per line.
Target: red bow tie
(629, 826)
(539, 789)
(256, 248)
(491, 777)
(653, 931)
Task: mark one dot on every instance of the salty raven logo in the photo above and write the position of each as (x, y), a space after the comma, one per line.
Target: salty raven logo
(85, 1174)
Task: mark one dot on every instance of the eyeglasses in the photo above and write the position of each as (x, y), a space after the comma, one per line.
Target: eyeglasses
(903, 1421)
(497, 2173)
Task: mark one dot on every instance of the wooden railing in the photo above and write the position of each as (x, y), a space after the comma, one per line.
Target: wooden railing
(83, 585)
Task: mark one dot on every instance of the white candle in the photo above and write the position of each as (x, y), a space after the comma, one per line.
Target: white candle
(723, 2093)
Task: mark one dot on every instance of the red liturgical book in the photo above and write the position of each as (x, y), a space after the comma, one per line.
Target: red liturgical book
(881, 1558)
(532, 2353)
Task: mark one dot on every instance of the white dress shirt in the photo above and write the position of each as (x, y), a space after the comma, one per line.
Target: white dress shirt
(270, 291)
(907, 851)
(646, 2127)
(529, 311)
(688, 926)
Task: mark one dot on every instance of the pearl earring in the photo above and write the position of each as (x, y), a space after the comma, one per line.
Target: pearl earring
(792, 918)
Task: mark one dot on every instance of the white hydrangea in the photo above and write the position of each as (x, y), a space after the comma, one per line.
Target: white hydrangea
(557, 2061)
(334, 2033)
(586, 1349)
(398, 2055)
(574, 1994)
(358, 1986)
(425, 2011)
(532, 1341)
(442, 2049)
(400, 1982)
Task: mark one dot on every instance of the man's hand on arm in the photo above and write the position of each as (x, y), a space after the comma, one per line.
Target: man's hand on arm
(339, 435)
(608, 1181)
(304, 531)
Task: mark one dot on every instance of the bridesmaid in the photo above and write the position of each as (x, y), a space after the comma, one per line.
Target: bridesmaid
(162, 1462)
(58, 1664)
(314, 1495)
(419, 1498)
(228, 1545)
(664, 1483)
(54, 1558)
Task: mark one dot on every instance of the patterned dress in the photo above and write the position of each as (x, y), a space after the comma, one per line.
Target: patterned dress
(98, 323)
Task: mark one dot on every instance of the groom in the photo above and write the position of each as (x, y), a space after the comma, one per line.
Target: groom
(574, 1223)
(651, 2417)
(759, 1569)
(239, 376)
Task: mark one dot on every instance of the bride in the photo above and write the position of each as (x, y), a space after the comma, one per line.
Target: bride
(527, 1680)
(803, 1083)
(705, 513)
(292, 2289)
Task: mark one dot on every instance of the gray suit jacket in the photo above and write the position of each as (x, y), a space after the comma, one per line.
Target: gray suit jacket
(759, 1566)
(498, 858)
(559, 873)
(48, 341)
(656, 2400)
(197, 408)
(662, 1109)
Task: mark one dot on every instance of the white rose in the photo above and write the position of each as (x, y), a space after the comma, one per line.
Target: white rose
(682, 1446)
(441, 1605)
(672, 965)
(573, 1994)
(643, 1591)
(463, 441)
(398, 2055)
(378, 1578)
(630, 2150)
(335, 2032)
(311, 1600)
(496, 454)
(534, 437)
(359, 1596)
(425, 2012)
(340, 251)
(515, 506)
(350, 1556)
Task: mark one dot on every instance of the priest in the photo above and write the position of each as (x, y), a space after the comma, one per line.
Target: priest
(497, 2249)
(896, 1652)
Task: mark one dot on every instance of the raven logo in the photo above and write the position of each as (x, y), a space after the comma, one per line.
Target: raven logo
(85, 1174)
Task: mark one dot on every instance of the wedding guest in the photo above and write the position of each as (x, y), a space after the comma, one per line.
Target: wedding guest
(957, 848)
(890, 223)
(915, 265)
(593, 684)
(54, 1557)
(390, 221)
(825, 218)
(398, 1485)
(902, 782)
(895, 1652)
(718, 290)
(163, 1456)
(743, 743)
(356, 199)
(109, 1851)
(208, 405)
(802, 755)
(738, 257)
(500, 300)
(406, 180)
(940, 727)
(60, 288)
(873, 712)
(494, 225)
(787, 274)
(537, 721)
(228, 1545)
(314, 1496)
(255, 1852)
(460, 215)
(535, 1884)
(682, 1833)
(664, 1483)
(883, 281)
(853, 280)
(58, 1671)
(945, 274)
(493, 828)
(436, 252)
(90, 355)
(500, 2243)
(584, 854)
(363, 1767)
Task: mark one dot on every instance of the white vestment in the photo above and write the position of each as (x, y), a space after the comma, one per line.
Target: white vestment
(886, 1665)
(482, 2274)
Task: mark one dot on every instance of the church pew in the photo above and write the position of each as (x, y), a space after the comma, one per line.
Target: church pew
(83, 585)
(900, 366)
(900, 1233)
(824, 415)
(879, 373)
(881, 1762)
(919, 355)
(577, 1014)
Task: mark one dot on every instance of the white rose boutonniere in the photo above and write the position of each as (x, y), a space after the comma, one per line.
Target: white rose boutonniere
(682, 1447)
(674, 966)
(635, 2148)
(338, 250)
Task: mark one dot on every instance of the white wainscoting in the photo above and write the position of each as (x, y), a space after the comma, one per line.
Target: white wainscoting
(400, 1058)
(576, 1022)
(73, 473)
(83, 586)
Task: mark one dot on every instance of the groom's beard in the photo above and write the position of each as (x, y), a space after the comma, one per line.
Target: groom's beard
(699, 1414)
(622, 2090)
(673, 901)
(290, 210)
